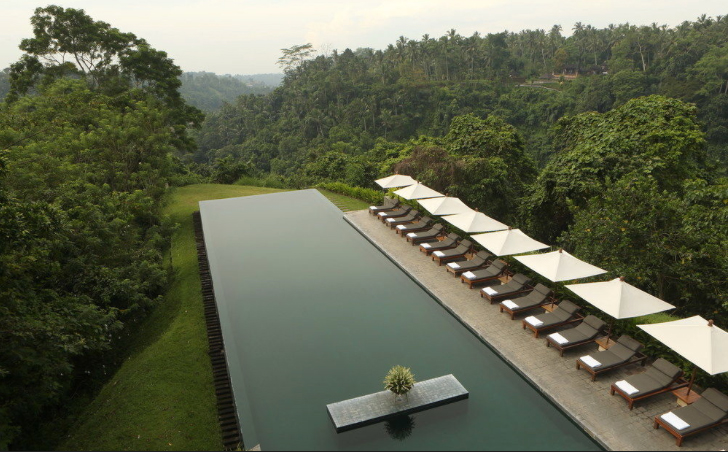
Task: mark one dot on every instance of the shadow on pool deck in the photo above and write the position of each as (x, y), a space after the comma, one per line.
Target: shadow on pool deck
(606, 418)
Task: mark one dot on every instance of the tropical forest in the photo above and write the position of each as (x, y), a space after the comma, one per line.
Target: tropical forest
(611, 143)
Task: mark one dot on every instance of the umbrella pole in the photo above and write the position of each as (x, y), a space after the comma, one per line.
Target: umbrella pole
(692, 380)
(609, 332)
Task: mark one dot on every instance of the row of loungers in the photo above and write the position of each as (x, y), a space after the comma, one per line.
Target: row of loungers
(517, 296)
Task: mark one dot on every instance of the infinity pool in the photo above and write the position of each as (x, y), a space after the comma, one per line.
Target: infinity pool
(312, 314)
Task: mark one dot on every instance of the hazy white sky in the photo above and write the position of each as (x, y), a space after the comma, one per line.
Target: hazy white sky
(245, 36)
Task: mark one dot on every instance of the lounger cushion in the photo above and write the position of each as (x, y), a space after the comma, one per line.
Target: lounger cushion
(667, 369)
(646, 384)
(521, 279)
(460, 250)
(696, 419)
(540, 288)
(548, 319)
(575, 336)
(717, 398)
(562, 314)
(621, 351)
(608, 359)
(630, 343)
(595, 322)
(709, 410)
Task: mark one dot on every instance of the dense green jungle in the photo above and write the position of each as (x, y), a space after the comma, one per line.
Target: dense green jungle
(611, 143)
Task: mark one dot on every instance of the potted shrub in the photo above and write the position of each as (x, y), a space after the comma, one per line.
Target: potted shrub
(400, 381)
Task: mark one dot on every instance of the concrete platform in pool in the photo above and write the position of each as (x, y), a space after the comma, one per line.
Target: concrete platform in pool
(312, 313)
(589, 403)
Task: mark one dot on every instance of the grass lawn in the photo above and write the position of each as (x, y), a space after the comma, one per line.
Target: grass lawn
(162, 397)
(344, 203)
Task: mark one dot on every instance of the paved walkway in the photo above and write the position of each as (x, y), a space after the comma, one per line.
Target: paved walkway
(606, 418)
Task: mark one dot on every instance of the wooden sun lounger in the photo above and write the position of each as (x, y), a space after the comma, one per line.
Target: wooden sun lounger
(660, 378)
(539, 297)
(494, 271)
(463, 248)
(585, 333)
(451, 241)
(423, 224)
(623, 353)
(397, 213)
(706, 409)
(389, 204)
(430, 235)
(479, 261)
(565, 314)
(518, 285)
(409, 218)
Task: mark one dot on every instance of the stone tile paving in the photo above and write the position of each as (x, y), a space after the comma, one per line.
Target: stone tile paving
(372, 408)
(606, 418)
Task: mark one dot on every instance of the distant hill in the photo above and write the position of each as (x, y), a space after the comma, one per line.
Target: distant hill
(272, 80)
(209, 91)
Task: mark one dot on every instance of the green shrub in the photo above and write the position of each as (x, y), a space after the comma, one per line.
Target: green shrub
(399, 380)
(369, 195)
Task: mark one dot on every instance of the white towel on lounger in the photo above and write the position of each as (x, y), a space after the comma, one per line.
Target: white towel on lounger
(510, 304)
(412, 235)
(675, 421)
(561, 340)
(453, 265)
(469, 275)
(426, 245)
(372, 207)
(490, 291)
(591, 362)
(534, 321)
(391, 220)
(438, 253)
(626, 387)
(401, 226)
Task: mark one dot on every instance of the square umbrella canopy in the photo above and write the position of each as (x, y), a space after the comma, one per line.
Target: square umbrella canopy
(620, 299)
(509, 242)
(395, 181)
(559, 266)
(695, 339)
(445, 206)
(475, 221)
(418, 191)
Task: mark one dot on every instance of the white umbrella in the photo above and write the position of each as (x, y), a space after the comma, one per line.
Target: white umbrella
(695, 339)
(559, 266)
(418, 191)
(395, 181)
(475, 221)
(620, 299)
(444, 206)
(509, 242)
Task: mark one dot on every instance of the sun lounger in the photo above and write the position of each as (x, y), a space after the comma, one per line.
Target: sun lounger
(517, 285)
(451, 241)
(409, 218)
(709, 412)
(389, 204)
(660, 378)
(430, 235)
(623, 353)
(443, 257)
(478, 262)
(586, 332)
(396, 213)
(540, 296)
(422, 224)
(490, 273)
(566, 313)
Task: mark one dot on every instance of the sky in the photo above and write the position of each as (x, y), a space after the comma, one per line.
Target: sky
(246, 36)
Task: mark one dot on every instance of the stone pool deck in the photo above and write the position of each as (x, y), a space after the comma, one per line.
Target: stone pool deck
(606, 418)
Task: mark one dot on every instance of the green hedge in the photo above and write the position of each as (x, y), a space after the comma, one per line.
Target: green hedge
(369, 195)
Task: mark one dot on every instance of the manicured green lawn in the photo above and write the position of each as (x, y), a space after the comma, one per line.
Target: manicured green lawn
(345, 203)
(162, 397)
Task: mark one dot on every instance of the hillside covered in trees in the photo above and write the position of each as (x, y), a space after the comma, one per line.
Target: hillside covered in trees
(612, 143)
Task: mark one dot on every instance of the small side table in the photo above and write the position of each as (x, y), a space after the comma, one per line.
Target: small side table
(685, 399)
(605, 343)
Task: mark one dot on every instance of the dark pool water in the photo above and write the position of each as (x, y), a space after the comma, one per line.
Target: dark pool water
(312, 314)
